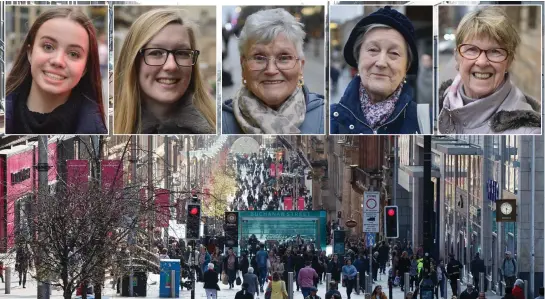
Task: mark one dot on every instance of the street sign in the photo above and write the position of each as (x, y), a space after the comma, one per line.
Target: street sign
(371, 207)
(370, 240)
(339, 242)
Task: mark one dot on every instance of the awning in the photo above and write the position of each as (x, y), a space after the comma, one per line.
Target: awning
(451, 146)
(417, 171)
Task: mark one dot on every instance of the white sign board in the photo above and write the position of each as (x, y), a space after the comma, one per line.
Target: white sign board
(371, 207)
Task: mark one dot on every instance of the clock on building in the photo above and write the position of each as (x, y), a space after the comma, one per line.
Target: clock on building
(506, 210)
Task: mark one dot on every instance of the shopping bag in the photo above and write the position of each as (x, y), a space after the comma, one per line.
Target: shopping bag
(224, 278)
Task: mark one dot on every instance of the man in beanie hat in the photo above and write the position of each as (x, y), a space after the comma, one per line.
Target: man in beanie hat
(378, 101)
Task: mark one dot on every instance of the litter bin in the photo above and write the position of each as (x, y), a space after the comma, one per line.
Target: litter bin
(139, 284)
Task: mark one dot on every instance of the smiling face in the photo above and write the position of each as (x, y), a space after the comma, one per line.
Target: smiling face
(383, 62)
(166, 84)
(58, 56)
(481, 77)
(271, 85)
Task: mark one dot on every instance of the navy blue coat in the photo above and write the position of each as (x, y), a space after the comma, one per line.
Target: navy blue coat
(89, 120)
(313, 123)
(347, 117)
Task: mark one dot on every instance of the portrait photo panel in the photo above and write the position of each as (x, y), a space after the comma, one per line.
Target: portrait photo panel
(381, 69)
(56, 70)
(165, 69)
(489, 70)
(273, 70)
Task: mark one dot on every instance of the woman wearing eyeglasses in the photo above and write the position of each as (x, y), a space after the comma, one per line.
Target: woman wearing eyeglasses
(273, 98)
(158, 85)
(482, 99)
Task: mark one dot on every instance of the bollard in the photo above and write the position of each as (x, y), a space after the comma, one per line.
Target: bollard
(526, 294)
(502, 287)
(172, 284)
(368, 283)
(327, 281)
(7, 280)
(458, 288)
(406, 283)
(358, 283)
(482, 286)
(290, 285)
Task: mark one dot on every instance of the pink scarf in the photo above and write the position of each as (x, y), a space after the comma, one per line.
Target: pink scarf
(377, 113)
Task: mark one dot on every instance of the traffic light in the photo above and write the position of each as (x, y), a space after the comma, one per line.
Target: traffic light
(193, 223)
(391, 224)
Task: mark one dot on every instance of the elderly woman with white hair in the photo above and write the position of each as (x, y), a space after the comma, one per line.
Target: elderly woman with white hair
(253, 283)
(481, 99)
(211, 282)
(273, 98)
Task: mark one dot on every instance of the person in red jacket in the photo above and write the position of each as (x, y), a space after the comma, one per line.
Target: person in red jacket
(518, 289)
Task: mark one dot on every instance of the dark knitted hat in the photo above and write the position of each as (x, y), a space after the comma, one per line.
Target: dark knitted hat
(392, 18)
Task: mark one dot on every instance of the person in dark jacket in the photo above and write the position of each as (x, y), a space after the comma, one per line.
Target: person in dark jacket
(251, 281)
(49, 91)
(383, 254)
(273, 98)
(333, 289)
(379, 100)
(230, 266)
(244, 294)
(469, 293)
(334, 267)
(477, 266)
(454, 267)
(403, 266)
(244, 263)
(211, 282)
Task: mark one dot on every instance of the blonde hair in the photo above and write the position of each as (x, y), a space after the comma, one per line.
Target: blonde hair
(491, 22)
(127, 98)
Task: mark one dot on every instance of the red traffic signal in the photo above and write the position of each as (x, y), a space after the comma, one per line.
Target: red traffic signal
(391, 212)
(194, 211)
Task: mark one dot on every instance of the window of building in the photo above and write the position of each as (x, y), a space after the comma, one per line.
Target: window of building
(533, 16)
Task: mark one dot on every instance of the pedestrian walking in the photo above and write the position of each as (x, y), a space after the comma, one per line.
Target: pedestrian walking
(469, 293)
(278, 287)
(210, 279)
(230, 267)
(334, 267)
(306, 278)
(22, 263)
(333, 290)
(313, 294)
(453, 272)
(509, 270)
(244, 294)
(378, 293)
(251, 281)
(518, 289)
(476, 267)
(349, 277)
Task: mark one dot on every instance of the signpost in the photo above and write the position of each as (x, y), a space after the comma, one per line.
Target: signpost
(371, 207)
(371, 213)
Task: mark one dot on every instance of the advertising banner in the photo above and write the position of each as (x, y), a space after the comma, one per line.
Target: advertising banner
(77, 172)
(162, 207)
(288, 203)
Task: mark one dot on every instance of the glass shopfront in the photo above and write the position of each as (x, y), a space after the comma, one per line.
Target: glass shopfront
(283, 226)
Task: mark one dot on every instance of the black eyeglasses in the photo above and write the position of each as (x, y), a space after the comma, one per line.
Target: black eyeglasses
(159, 56)
(473, 52)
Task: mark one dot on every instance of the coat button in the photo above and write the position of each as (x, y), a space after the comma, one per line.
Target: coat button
(351, 127)
(336, 114)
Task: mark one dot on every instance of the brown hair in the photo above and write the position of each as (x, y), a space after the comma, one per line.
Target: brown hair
(276, 276)
(90, 83)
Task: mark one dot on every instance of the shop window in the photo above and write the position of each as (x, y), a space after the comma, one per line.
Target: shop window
(533, 16)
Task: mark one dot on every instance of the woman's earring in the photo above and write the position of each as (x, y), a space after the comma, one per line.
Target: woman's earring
(404, 80)
(301, 82)
(243, 81)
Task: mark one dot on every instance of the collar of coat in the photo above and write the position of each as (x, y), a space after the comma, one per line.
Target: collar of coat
(504, 120)
(351, 100)
(185, 119)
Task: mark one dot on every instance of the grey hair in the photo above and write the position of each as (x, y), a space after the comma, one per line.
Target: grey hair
(265, 25)
(250, 270)
(361, 37)
(210, 266)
